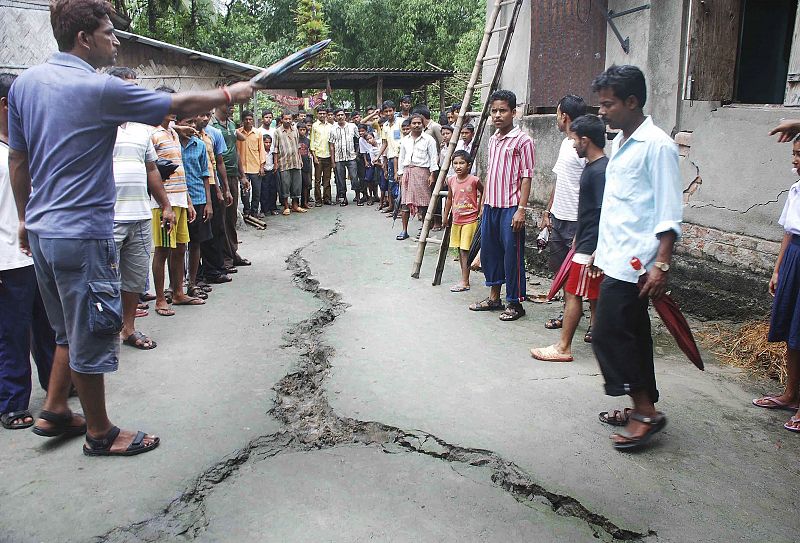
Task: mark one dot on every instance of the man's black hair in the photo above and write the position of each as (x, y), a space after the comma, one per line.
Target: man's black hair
(461, 153)
(362, 125)
(504, 96)
(624, 81)
(388, 103)
(123, 72)
(267, 137)
(455, 108)
(447, 127)
(285, 112)
(301, 125)
(354, 113)
(468, 127)
(407, 122)
(330, 110)
(267, 112)
(6, 79)
(338, 110)
(423, 110)
(573, 106)
(592, 127)
(247, 113)
(405, 98)
(164, 88)
(414, 115)
(372, 107)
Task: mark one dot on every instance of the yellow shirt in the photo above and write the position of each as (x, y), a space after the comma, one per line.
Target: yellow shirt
(251, 151)
(320, 134)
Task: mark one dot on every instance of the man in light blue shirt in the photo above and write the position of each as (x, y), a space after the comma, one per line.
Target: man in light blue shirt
(640, 219)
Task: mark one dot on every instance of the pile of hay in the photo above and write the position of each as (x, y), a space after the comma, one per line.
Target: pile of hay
(746, 347)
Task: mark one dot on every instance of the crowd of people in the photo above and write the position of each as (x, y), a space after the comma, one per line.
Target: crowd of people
(143, 184)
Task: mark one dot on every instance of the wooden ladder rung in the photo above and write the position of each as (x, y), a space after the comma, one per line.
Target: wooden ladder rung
(505, 3)
(498, 29)
(483, 85)
(490, 58)
(433, 240)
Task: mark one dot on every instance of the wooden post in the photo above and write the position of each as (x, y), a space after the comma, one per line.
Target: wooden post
(441, 96)
(357, 99)
(792, 96)
(379, 92)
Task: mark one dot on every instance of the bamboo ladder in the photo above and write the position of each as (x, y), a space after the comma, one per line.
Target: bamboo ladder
(490, 30)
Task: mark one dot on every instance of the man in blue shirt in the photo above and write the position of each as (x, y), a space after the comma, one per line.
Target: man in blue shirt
(641, 216)
(64, 190)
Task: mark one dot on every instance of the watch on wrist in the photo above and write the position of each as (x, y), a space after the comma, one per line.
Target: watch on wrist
(663, 266)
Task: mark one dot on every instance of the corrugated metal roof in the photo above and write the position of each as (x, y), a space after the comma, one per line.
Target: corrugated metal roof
(309, 78)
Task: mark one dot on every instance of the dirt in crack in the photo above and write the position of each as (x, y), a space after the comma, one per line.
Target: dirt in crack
(311, 424)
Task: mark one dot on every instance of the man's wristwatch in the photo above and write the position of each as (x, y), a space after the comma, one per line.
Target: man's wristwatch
(663, 266)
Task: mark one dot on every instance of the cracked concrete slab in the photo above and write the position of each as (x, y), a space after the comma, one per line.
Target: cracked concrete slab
(205, 390)
(359, 371)
(412, 356)
(390, 497)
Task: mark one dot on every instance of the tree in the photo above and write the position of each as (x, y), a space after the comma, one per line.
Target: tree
(312, 28)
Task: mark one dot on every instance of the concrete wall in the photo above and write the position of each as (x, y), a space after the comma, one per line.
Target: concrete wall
(515, 75)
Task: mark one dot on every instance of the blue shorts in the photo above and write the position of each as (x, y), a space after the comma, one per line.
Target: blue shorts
(80, 287)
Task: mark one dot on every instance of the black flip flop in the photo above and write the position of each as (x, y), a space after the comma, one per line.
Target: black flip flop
(61, 423)
(7, 420)
(102, 446)
(135, 340)
(616, 417)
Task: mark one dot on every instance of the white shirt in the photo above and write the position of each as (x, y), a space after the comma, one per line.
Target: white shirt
(568, 170)
(132, 149)
(11, 257)
(343, 140)
(790, 217)
(643, 198)
(421, 152)
(464, 146)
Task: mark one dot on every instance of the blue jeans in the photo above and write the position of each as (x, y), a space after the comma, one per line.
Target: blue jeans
(24, 328)
(503, 252)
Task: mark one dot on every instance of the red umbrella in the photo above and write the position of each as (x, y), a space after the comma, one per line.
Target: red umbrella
(561, 276)
(673, 319)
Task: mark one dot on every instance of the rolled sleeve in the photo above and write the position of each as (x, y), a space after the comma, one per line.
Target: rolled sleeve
(666, 179)
(527, 159)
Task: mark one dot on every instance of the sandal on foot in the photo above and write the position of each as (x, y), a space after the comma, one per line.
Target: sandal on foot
(102, 446)
(793, 425)
(555, 324)
(772, 402)
(487, 305)
(459, 288)
(190, 301)
(616, 417)
(165, 311)
(197, 292)
(141, 313)
(142, 305)
(512, 312)
(631, 443)
(147, 297)
(140, 341)
(587, 337)
(401, 236)
(9, 420)
(550, 354)
(61, 425)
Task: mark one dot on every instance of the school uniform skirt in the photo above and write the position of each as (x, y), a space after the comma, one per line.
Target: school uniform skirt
(415, 189)
(784, 324)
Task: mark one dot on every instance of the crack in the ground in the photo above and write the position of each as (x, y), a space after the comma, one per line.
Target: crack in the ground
(311, 424)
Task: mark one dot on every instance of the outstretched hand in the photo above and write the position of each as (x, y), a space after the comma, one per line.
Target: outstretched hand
(786, 130)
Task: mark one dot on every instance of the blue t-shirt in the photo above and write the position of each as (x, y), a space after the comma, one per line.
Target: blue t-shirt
(217, 140)
(195, 167)
(64, 115)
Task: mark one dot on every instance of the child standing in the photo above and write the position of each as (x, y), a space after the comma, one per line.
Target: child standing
(304, 146)
(269, 185)
(464, 197)
(784, 324)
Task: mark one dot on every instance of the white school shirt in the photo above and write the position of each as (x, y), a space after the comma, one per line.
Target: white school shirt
(790, 217)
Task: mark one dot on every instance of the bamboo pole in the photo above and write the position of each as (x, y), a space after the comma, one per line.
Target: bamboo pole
(476, 72)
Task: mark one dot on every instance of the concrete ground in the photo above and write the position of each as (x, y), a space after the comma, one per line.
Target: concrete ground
(326, 395)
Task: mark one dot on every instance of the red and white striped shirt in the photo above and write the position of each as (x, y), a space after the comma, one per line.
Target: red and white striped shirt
(511, 158)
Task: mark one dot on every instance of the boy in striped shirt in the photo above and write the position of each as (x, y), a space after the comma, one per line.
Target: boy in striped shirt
(507, 187)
